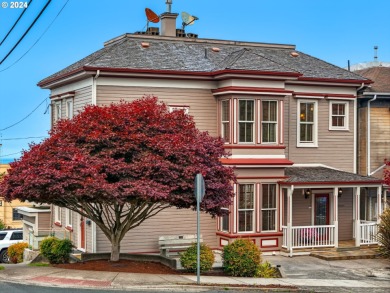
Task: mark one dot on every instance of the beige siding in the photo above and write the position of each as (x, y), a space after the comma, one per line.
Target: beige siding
(301, 209)
(346, 215)
(82, 98)
(335, 147)
(88, 238)
(30, 219)
(202, 104)
(44, 221)
(168, 222)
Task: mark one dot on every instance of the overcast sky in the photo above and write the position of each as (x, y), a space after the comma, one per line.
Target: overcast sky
(333, 30)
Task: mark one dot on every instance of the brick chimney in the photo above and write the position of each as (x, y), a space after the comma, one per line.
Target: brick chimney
(168, 24)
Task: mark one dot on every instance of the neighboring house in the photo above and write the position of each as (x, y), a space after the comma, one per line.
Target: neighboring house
(374, 120)
(288, 119)
(9, 210)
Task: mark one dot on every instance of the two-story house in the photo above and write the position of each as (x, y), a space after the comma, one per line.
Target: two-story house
(288, 120)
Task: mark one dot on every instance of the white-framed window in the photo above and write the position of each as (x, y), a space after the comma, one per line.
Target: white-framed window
(268, 207)
(172, 108)
(307, 123)
(57, 215)
(225, 120)
(338, 115)
(68, 216)
(56, 111)
(246, 198)
(69, 108)
(224, 221)
(269, 121)
(246, 120)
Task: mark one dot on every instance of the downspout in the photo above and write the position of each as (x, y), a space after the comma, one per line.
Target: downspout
(369, 135)
(94, 102)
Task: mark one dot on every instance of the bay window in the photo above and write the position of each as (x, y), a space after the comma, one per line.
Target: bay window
(246, 120)
(225, 120)
(269, 118)
(246, 207)
(268, 208)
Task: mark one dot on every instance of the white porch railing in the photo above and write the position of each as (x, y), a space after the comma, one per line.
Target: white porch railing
(309, 236)
(368, 232)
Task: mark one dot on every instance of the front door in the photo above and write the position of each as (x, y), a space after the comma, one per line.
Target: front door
(321, 210)
(82, 234)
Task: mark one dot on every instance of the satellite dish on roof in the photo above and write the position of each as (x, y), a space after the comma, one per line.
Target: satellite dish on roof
(151, 16)
(188, 19)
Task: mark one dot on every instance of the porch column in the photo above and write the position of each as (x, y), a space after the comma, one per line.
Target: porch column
(357, 215)
(336, 216)
(379, 200)
(289, 219)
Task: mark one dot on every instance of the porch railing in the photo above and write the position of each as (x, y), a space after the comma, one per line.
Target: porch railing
(309, 236)
(368, 232)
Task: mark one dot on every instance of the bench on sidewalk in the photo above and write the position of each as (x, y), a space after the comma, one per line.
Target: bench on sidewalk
(174, 244)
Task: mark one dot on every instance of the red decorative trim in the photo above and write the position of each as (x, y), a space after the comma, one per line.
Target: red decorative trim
(331, 182)
(250, 89)
(276, 162)
(58, 224)
(325, 95)
(365, 81)
(69, 228)
(271, 234)
(254, 146)
(270, 246)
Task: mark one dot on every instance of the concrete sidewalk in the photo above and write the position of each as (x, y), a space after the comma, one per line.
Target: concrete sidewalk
(300, 273)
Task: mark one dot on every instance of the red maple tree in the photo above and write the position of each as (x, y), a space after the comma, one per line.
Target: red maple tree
(121, 164)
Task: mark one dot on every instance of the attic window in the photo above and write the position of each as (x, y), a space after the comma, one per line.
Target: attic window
(215, 49)
(294, 54)
(145, 45)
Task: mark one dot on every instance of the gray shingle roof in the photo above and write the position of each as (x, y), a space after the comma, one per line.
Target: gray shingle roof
(179, 54)
(324, 175)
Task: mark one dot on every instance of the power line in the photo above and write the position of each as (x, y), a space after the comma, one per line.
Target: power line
(24, 117)
(2, 156)
(20, 138)
(37, 39)
(16, 22)
(17, 43)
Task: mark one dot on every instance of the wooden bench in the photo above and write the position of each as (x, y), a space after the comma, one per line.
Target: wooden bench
(176, 243)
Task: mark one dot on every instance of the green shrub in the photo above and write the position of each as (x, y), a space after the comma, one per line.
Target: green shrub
(15, 252)
(265, 270)
(188, 258)
(241, 258)
(62, 250)
(384, 234)
(2, 225)
(56, 250)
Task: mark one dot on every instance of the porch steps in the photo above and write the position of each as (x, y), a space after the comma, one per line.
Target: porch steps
(352, 248)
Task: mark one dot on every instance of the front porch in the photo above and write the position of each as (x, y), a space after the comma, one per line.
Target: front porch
(321, 211)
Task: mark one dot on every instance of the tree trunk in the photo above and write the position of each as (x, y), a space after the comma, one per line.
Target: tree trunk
(115, 249)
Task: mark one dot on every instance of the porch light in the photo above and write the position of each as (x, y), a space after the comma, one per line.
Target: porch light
(340, 192)
(307, 193)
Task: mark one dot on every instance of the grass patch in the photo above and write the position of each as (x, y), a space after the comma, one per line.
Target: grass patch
(2, 268)
(39, 264)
